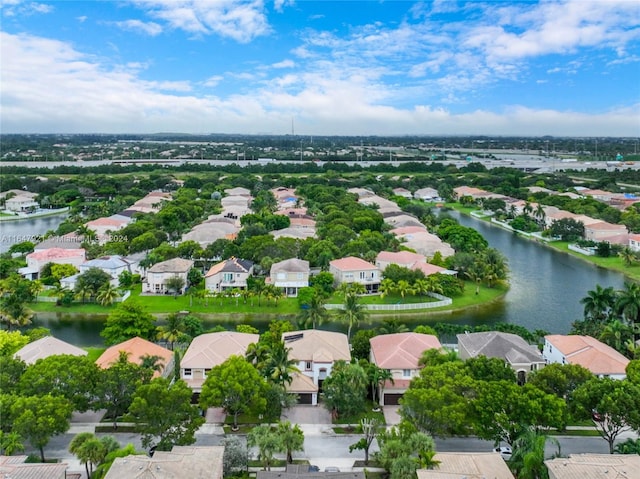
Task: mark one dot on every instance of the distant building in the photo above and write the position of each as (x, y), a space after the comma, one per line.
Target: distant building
(159, 273)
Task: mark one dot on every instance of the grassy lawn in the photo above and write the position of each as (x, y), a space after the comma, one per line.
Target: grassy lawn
(94, 353)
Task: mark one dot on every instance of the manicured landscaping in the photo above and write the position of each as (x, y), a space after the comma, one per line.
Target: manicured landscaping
(94, 353)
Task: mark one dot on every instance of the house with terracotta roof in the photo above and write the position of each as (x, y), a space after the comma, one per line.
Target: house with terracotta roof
(136, 349)
(193, 462)
(209, 350)
(16, 467)
(39, 259)
(229, 274)
(356, 270)
(290, 275)
(585, 351)
(601, 230)
(157, 276)
(406, 259)
(521, 356)
(593, 466)
(634, 242)
(470, 465)
(103, 226)
(400, 354)
(474, 193)
(45, 347)
(315, 352)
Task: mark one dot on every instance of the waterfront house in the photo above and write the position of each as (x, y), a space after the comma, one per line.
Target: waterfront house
(228, 274)
(210, 350)
(356, 270)
(399, 354)
(39, 259)
(136, 350)
(634, 242)
(423, 242)
(45, 347)
(521, 356)
(406, 259)
(102, 227)
(159, 273)
(601, 231)
(402, 192)
(315, 352)
(290, 275)
(599, 358)
(427, 194)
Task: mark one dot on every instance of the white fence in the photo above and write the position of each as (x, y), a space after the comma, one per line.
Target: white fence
(584, 251)
(442, 301)
(53, 299)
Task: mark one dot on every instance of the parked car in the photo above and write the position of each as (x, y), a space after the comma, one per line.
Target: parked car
(313, 468)
(504, 451)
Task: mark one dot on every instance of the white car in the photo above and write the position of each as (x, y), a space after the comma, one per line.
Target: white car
(504, 451)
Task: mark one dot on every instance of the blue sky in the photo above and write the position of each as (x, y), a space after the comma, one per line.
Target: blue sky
(562, 68)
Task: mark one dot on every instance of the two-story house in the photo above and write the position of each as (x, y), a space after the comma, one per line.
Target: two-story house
(210, 350)
(355, 270)
(400, 354)
(159, 273)
(228, 274)
(315, 353)
(290, 275)
(588, 352)
(136, 350)
(40, 258)
(521, 356)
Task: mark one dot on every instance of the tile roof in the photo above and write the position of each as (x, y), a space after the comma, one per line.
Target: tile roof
(400, 257)
(292, 265)
(317, 345)
(136, 349)
(231, 265)
(495, 344)
(589, 353)
(50, 254)
(45, 347)
(175, 265)
(106, 262)
(352, 263)
(593, 466)
(469, 465)
(14, 467)
(106, 222)
(401, 350)
(211, 349)
(429, 269)
(403, 230)
(301, 384)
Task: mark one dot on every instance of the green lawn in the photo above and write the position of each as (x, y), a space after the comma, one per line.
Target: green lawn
(614, 262)
(94, 353)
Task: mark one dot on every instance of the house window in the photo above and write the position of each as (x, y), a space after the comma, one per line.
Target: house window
(158, 287)
(406, 373)
(188, 373)
(363, 275)
(299, 276)
(227, 277)
(307, 366)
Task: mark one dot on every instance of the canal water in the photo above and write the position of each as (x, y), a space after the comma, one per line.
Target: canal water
(546, 289)
(30, 229)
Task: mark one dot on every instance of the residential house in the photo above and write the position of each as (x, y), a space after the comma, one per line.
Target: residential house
(290, 275)
(105, 227)
(210, 231)
(39, 259)
(471, 465)
(602, 230)
(16, 467)
(238, 191)
(474, 193)
(136, 349)
(45, 347)
(355, 270)
(22, 203)
(406, 259)
(399, 354)
(585, 351)
(112, 265)
(301, 471)
(228, 274)
(634, 242)
(151, 203)
(286, 197)
(193, 462)
(294, 232)
(521, 356)
(427, 194)
(315, 353)
(593, 466)
(402, 220)
(424, 243)
(361, 192)
(159, 273)
(403, 192)
(209, 350)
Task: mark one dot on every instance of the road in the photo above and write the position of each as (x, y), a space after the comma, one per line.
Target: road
(325, 450)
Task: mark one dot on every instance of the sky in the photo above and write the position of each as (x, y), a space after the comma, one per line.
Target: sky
(444, 67)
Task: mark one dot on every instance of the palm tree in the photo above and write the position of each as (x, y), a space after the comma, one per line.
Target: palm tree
(476, 273)
(36, 287)
(107, 294)
(599, 303)
(82, 291)
(540, 215)
(257, 354)
(628, 304)
(151, 362)
(10, 442)
(392, 326)
(403, 288)
(615, 334)
(353, 312)
(377, 377)
(314, 314)
(430, 284)
(527, 461)
(16, 314)
(628, 256)
(387, 286)
(278, 366)
(173, 330)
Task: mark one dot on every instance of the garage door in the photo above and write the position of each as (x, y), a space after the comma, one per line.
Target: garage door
(305, 398)
(391, 399)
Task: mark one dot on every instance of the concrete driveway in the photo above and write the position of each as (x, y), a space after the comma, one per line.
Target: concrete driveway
(303, 414)
(391, 415)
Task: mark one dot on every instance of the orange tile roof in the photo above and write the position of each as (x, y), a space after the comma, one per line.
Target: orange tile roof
(401, 350)
(351, 263)
(400, 257)
(137, 348)
(589, 353)
(56, 253)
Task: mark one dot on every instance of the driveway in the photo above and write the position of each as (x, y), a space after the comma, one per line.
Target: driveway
(303, 414)
(391, 415)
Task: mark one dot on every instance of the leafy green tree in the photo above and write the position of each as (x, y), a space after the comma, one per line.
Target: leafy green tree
(10, 442)
(482, 368)
(164, 414)
(613, 405)
(38, 418)
(567, 229)
(72, 377)
(117, 385)
(632, 370)
(91, 281)
(370, 428)
(560, 379)
(403, 450)
(127, 321)
(360, 345)
(630, 446)
(291, 437)
(103, 468)
(345, 390)
(236, 386)
(175, 284)
(235, 456)
(268, 443)
(11, 370)
(11, 342)
(461, 238)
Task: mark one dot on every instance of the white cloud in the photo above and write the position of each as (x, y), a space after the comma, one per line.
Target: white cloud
(82, 18)
(14, 8)
(148, 28)
(239, 20)
(213, 81)
(284, 64)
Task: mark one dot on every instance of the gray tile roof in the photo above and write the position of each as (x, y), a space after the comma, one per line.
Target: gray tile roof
(493, 344)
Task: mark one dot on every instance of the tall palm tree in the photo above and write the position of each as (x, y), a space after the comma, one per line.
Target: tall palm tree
(377, 377)
(599, 303)
(151, 362)
(628, 302)
(628, 256)
(527, 461)
(173, 330)
(278, 367)
(314, 314)
(392, 326)
(353, 313)
(82, 291)
(403, 288)
(17, 315)
(615, 334)
(257, 354)
(36, 287)
(107, 294)
(387, 286)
